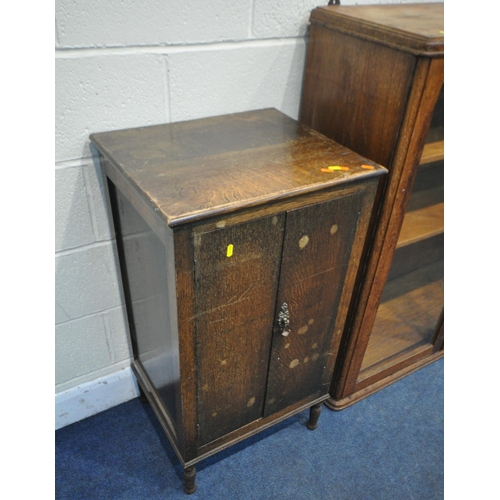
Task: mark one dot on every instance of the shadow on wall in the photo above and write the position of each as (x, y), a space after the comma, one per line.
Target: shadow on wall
(296, 76)
(90, 323)
(289, 65)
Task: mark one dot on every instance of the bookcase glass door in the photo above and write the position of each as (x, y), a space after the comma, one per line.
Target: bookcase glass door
(410, 313)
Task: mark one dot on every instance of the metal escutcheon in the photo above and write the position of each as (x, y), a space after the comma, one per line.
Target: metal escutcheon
(284, 320)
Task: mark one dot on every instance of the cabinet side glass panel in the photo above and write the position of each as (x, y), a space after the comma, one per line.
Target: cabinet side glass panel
(413, 296)
(145, 283)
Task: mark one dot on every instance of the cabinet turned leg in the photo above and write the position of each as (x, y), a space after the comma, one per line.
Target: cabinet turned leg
(190, 480)
(314, 414)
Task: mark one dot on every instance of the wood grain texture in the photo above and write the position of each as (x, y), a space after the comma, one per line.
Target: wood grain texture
(192, 170)
(253, 428)
(374, 82)
(433, 151)
(406, 368)
(396, 198)
(219, 221)
(407, 316)
(236, 297)
(316, 251)
(186, 314)
(422, 223)
(418, 28)
(357, 95)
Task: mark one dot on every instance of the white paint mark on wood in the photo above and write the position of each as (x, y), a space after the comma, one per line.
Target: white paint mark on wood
(303, 241)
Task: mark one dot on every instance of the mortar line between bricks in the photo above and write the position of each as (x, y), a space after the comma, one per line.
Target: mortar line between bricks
(76, 53)
(90, 315)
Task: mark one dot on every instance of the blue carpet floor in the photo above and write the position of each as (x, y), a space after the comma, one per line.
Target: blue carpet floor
(386, 447)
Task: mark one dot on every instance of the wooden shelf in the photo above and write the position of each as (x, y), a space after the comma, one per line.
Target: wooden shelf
(424, 217)
(434, 151)
(406, 318)
(421, 224)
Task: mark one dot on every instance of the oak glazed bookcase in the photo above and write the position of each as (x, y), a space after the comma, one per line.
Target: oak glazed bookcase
(375, 83)
(238, 248)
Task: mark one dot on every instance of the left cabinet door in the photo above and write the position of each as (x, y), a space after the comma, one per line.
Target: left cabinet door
(236, 280)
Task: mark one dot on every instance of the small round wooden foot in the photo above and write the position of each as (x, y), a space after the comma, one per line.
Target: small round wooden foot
(190, 480)
(314, 414)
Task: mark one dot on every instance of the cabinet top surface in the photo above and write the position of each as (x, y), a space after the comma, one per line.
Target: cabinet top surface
(417, 27)
(201, 168)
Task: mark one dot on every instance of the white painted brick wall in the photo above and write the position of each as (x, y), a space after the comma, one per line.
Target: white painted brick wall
(238, 78)
(282, 18)
(125, 63)
(90, 344)
(87, 281)
(125, 23)
(73, 226)
(98, 93)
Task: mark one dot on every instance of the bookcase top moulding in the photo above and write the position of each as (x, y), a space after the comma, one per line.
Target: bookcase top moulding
(192, 170)
(414, 28)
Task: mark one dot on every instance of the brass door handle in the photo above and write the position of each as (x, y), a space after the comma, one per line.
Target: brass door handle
(284, 320)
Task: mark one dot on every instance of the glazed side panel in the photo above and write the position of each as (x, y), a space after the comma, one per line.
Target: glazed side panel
(149, 286)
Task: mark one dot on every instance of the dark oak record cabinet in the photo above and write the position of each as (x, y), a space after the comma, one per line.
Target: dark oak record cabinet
(375, 83)
(239, 238)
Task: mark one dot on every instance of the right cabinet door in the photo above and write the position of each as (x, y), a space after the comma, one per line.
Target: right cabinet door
(316, 251)
(408, 322)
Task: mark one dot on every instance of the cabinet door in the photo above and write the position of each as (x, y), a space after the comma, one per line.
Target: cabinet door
(236, 278)
(316, 249)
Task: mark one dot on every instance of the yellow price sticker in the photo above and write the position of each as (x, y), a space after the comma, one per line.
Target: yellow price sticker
(229, 251)
(337, 167)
